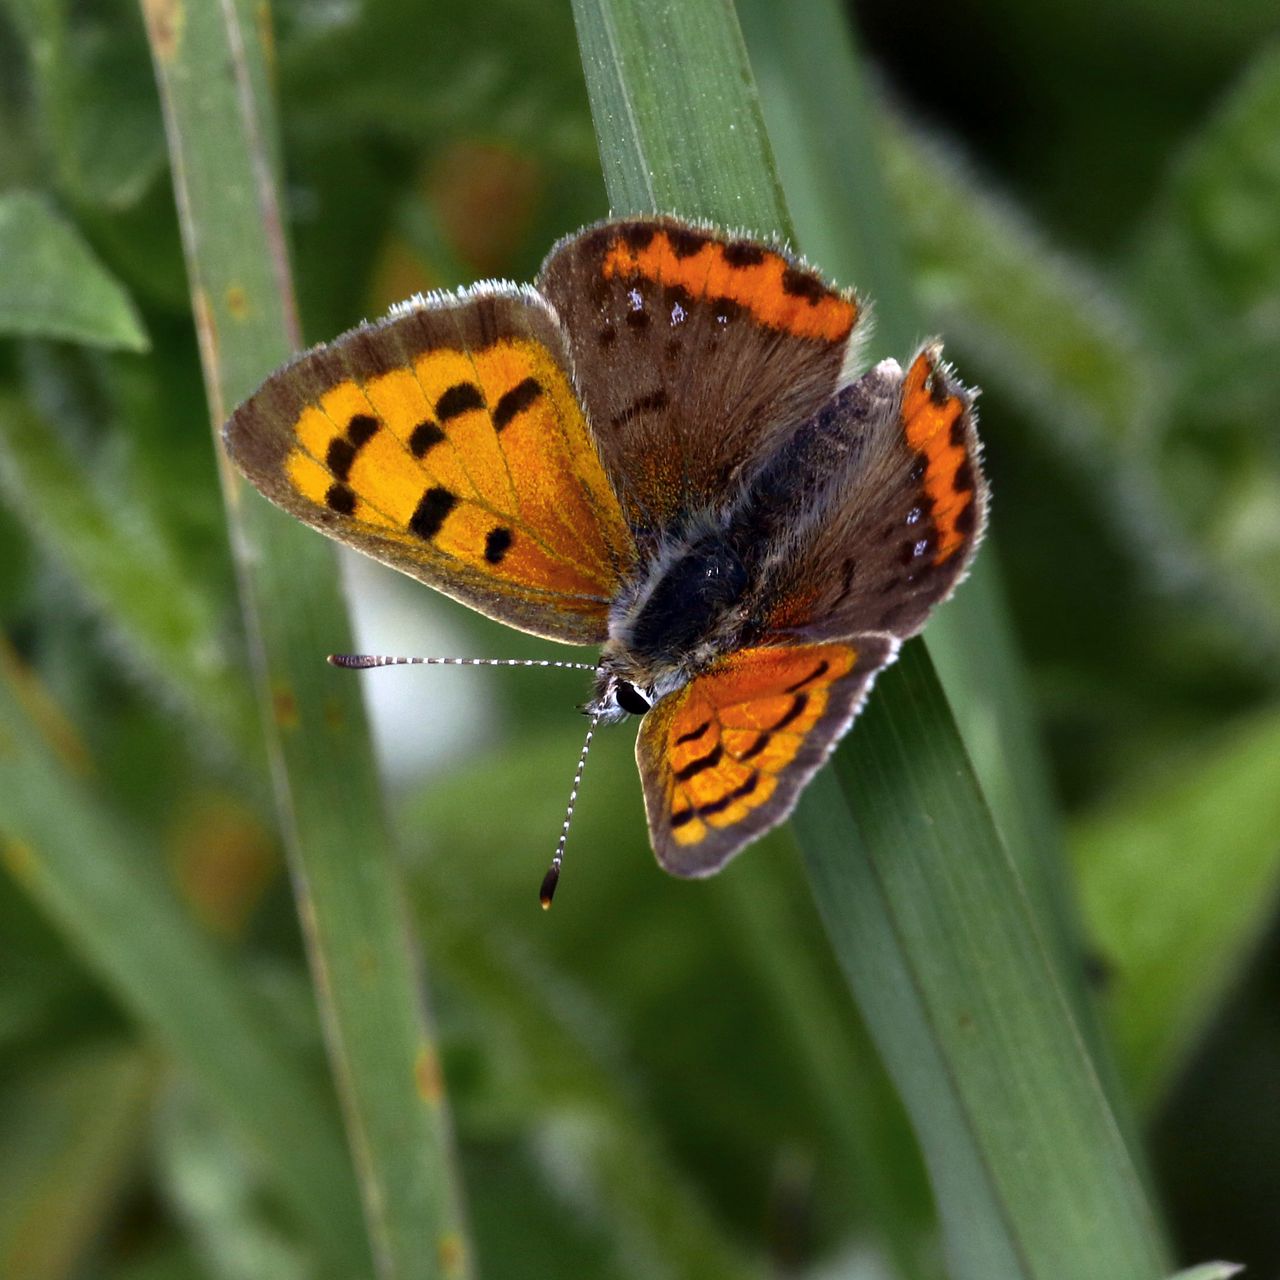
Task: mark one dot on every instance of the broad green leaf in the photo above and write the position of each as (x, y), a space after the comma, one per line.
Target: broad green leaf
(1207, 273)
(96, 103)
(1179, 875)
(53, 286)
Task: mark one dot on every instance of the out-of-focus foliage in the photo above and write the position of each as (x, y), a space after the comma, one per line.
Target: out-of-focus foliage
(658, 1078)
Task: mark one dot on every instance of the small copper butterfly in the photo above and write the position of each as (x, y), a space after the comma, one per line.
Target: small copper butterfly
(660, 448)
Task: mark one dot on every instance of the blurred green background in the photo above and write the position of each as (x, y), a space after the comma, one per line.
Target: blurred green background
(658, 1078)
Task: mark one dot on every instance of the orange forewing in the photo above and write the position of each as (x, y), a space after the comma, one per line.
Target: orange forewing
(724, 758)
(455, 452)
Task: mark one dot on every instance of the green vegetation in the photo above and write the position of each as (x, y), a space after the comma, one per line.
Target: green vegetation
(995, 1004)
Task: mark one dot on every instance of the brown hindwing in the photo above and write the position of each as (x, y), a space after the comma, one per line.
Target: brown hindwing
(897, 524)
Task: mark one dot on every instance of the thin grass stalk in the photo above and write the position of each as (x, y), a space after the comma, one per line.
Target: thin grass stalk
(211, 67)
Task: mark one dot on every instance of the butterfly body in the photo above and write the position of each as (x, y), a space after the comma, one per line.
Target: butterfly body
(661, 448)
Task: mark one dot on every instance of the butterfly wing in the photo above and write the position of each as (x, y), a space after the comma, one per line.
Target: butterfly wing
(448, 442)
(696, 353)
(724, 758)
(862, 521)
(879, 507)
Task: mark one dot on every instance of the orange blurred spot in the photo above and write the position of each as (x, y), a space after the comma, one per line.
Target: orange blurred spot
(284, 707)
(223, 861)
(427, 1076)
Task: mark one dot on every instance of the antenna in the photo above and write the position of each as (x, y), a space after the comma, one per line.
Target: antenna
(552, 878)
(364, 661)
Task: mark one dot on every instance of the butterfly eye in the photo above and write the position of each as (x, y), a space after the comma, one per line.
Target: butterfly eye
(630, 698)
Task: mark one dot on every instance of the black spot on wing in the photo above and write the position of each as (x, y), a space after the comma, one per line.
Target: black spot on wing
(343, 449)
(694, 734)
(725, 310)
(742, 253)
(425, 436)
(515, 401)
(341, 499)
(339, 457)
(362, 428)
(730, 797)
(652, 402)
(680, 817)
(798, 704)
(638, 235)
(800, 284)
(497, 544)
(685, 243)
(820, 670)
(460, 398)
(695, 767)
(431, 512)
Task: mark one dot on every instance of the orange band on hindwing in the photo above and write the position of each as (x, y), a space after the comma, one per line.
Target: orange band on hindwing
(935, 421)
(775, 291)
(733, 732)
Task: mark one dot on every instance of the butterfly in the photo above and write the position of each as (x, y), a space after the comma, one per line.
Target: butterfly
(661, 448)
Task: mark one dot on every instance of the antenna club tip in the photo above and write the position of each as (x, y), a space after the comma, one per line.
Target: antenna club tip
(350, 661)
(548, 890)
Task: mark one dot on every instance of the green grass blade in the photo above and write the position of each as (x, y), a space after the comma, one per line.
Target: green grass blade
(823, 116)
(645, 73)
(972, 959)
(61, 290)
(1180, 876)
(565, 1058)
(106, 895)
(119, 561)
(212, 73)
(1032, 1174)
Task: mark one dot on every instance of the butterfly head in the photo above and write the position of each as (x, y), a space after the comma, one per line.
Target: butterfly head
(618, 695)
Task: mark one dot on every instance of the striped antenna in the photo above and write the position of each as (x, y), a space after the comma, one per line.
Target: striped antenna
(552, 878)
(363, 661)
